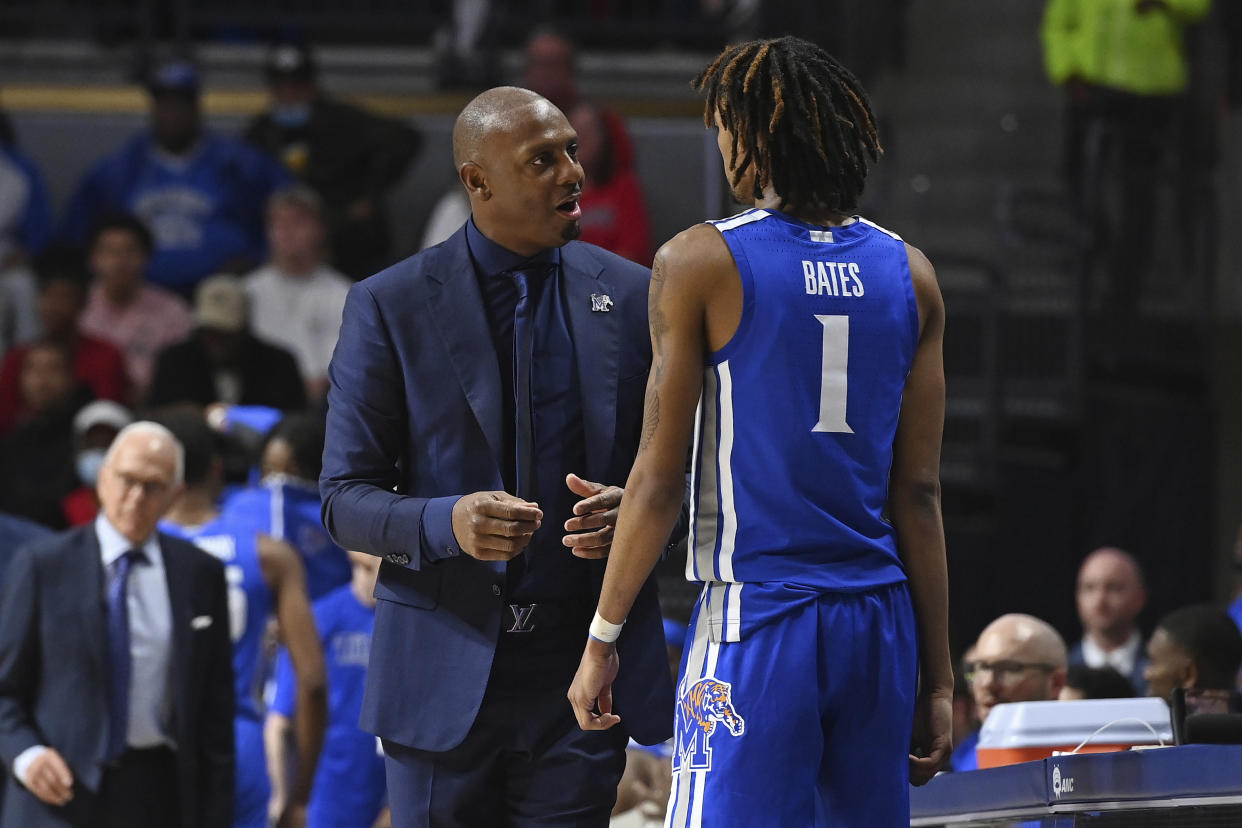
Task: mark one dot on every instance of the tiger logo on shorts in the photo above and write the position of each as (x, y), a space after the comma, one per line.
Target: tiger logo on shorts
(700, 707)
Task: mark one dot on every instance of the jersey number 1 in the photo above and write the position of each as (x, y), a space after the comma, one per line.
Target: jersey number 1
(834, 375)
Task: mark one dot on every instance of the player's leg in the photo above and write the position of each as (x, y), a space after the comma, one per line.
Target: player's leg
(868, 666)
(747, 742)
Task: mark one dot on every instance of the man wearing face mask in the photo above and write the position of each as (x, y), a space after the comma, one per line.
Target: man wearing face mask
(94, 429)
(350, 157)
(201, 194)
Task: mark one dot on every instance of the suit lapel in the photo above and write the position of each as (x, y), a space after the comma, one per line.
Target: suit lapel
(93, 601)
(596, 348)
(457, 314)
(181, 603)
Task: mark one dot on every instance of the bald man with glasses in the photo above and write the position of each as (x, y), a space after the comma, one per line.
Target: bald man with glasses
(1017, 658)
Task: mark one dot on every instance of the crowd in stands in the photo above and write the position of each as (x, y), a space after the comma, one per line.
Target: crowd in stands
(198, 279)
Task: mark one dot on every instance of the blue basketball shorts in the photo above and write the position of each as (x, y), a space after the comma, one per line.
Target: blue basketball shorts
(795, 708)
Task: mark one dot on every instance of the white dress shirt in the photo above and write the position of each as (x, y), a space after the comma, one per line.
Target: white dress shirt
(1121, 659)
(150, 643)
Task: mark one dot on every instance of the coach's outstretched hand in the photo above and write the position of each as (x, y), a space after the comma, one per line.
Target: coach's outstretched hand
(494, 526)
(932, 740)
(592, 686)
(597, 510)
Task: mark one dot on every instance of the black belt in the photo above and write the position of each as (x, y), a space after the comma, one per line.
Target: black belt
(134, 757)
(545, 616)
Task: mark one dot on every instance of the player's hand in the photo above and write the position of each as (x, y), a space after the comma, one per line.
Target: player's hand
(494, 526)
(48, 777)
(592, 686)
(932, 739)
(294, 816)
(596, 511)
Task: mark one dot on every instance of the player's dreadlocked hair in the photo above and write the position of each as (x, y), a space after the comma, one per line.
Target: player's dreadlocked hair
(806, 113)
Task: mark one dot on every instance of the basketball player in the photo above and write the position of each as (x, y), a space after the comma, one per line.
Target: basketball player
(264, 577)
(799, 347)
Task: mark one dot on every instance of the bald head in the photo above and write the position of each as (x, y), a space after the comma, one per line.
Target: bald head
(1021, 636)
(517, 157)
(496, 111)
(1018, 658)
(1110, 595)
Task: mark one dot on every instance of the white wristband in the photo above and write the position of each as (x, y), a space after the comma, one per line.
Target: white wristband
(605, 631)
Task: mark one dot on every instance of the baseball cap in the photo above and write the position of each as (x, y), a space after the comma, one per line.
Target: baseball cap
(101, 412)
(290, 60)
(220, 303)
(174, 76)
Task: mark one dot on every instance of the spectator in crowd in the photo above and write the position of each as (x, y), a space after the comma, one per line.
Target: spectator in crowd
(115, 682)
(1123, 66)
(550, 68)
(222, 361)
(351, 157)
(1110, 595)
(349, 786)
(1195, 647)
(123, 308)
(36, 459)
(296, 298)
(94, 429)
(96, 363)
(1017, 658)
(614, 215)
(1083, 682)
(201, 193)
(265, 578)
(286, 502)
(25, 227)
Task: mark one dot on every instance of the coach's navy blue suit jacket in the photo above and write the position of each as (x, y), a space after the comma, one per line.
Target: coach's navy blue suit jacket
(414, 414)
(54, 674)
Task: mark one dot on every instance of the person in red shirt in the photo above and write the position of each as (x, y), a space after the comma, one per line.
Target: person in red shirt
(614, 215)
(97, 364)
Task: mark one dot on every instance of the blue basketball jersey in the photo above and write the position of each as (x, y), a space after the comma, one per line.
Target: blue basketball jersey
(290, 511)
(794, 431)
(250, 601)
(349, 786)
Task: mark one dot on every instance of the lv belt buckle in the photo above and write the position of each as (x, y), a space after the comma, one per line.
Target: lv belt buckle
(523, 618)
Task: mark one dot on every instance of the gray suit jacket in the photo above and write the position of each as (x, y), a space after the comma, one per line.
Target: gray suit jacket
(53, 675)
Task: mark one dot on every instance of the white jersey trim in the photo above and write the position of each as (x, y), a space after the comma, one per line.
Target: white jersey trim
(740, 219)
(878, 227)
(728, 512)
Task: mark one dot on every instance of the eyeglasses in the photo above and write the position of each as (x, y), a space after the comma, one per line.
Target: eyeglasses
(150, 488)
(1007, 673)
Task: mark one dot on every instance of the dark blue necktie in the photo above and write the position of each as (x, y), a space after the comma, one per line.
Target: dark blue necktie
(118, 652)
(523, 347)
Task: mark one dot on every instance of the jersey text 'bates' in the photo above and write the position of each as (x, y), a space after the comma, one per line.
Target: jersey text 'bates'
(832, 278)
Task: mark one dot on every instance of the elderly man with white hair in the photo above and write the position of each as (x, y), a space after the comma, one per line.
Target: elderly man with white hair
(116, 702)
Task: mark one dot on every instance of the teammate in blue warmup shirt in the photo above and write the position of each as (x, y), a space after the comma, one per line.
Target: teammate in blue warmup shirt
(264, 577)
(202, 193)
(349, 789)
(286, 503)
(798, 354)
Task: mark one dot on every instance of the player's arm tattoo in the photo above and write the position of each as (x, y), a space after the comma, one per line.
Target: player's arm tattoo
(659, 327)
(651, 417)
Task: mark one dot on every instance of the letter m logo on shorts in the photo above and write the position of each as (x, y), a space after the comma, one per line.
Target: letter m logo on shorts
(699, 708)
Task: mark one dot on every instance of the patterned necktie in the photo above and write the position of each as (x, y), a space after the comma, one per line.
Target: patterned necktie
(118, 652)
(523, 348)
